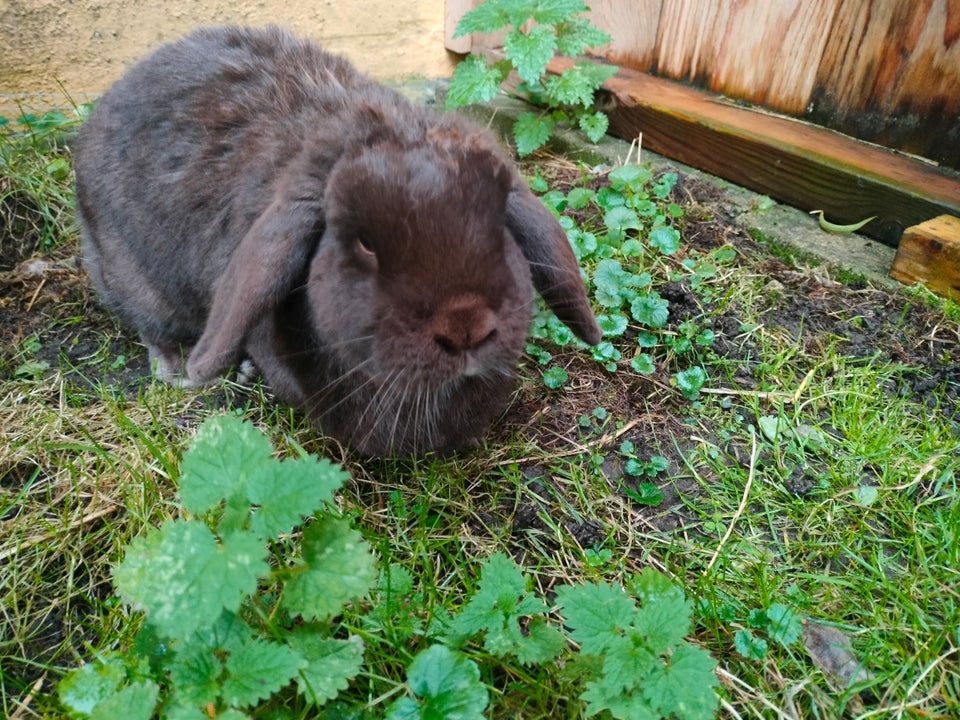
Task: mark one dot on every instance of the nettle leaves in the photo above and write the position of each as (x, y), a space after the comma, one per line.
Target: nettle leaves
(196, 578)
(645, 669)
(636, 661)
(237, 614)
(537, 30)
(240, 498)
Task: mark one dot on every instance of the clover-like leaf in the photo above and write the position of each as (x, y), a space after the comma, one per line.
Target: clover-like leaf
(666, 239)
(620, 219)
(555, 377)
(749, 646)
(611, 282)
(785, 626)
(584, 243)
(643, 363)
(690, 381)
(612, 325)
(651, 310)
(579, 198)
(631, 178)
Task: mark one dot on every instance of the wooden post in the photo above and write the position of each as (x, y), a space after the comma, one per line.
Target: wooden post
(453, 11)
(929, 253)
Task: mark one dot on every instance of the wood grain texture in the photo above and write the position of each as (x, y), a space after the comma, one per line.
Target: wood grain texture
(891, 73)
(764, 52)
(886, 71)
(792, 161)
(633, 28)
(929, 253)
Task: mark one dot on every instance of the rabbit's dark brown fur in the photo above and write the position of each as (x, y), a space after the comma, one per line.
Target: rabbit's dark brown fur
(242, 192)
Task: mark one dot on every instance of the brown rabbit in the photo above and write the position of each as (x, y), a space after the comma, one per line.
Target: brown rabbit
(242, 192)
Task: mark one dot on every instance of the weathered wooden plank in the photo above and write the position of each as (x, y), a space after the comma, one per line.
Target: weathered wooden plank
(763, 52)
(882, 70)
(453, 10)
(633, 28)
(890, 73)
(929, 253)
(792, 161)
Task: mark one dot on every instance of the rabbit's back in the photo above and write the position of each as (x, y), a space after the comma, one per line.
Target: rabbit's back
(183, 154)
(242, 192)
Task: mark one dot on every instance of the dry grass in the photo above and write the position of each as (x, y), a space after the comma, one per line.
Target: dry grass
(861, 534)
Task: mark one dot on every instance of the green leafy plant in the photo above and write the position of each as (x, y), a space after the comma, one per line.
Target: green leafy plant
(443, 684)
(536, 31)
(646, 669)
(219, 633)
(633, 639)
(511, 619)
(691, 381)
(781, 624)
(625, 255)
(644, 492)
(235, 615)
(36, 182)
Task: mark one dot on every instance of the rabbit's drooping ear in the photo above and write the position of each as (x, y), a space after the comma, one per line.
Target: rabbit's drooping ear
(267, 264)
(553, 265)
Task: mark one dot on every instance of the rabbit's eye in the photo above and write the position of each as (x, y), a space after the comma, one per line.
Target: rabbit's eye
(363, 243)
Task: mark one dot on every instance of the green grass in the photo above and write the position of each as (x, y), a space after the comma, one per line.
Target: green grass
(36, 183)
(823, 485)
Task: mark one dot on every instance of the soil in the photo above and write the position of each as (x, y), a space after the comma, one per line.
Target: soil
(49, 298)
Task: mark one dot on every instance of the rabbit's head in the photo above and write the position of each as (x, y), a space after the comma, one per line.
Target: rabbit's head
(418, 296)
(417, 278)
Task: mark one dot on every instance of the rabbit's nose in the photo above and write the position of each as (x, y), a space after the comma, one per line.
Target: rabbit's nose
(464, 323)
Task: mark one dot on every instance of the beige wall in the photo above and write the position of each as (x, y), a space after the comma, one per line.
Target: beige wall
(86, 44)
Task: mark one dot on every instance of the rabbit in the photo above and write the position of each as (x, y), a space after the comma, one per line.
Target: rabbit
(243, 193)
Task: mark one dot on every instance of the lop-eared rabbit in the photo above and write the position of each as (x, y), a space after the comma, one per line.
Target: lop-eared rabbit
(243, 193)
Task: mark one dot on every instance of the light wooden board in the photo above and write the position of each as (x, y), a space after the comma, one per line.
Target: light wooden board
(929, 253)
(891, 72)
(764, 52)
